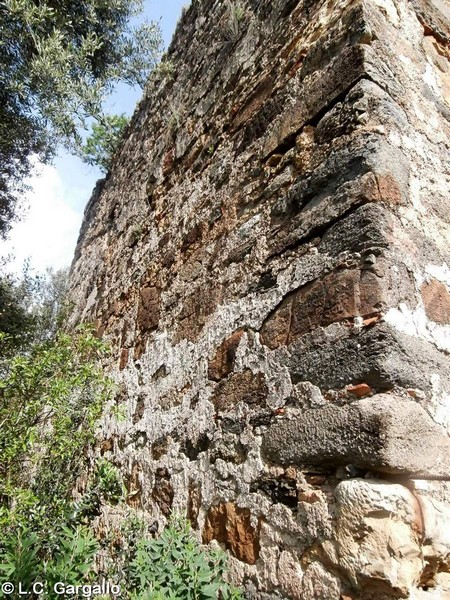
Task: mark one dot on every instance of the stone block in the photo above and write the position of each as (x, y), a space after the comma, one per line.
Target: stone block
(380, 356)
(385, 433)
(377, 540)
(246, 387)
(149, 309)
(436, 533)
(342, 294)
(363, 290)
(435, 17)
(368, 229)
(319, 90)
(320, 584)
(198, 304)
(163, 491)
(358, 173)
(231, 525)
(436, 298)
(222, 363)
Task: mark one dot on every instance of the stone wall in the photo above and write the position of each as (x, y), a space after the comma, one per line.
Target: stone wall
(269, 259)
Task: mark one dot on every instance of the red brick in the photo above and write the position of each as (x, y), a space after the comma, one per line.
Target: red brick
(359, 390)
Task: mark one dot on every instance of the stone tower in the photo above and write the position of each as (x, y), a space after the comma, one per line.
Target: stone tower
(269, 259)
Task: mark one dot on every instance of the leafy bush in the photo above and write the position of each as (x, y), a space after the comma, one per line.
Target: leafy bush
(50, 400)
(51, 396)
(106, 486)
(71, 562)
(174, 566)
(19, 559)
(24, 559)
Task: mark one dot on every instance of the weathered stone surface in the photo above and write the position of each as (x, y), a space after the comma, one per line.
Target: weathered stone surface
(435, 17)
(436, 298)
(230, 525)
(367, 230)
(134, 488)
(163, 491)
(290, 183)
(124, 355)
(377, 536)
(222, 364)
(198, 305)
(320, 584)
(290, 576)
(340, 295)
(194, 503)
(148, 311)
(347, 179)
(228, 448)
(384, 433)
(379, 356)
(247, 387)
(436, 536)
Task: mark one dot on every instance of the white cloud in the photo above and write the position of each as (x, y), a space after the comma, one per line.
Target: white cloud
(48, 233)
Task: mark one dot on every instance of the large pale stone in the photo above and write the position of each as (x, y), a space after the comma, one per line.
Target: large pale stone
(381, 356)
(377, 539)
(290, 575)
(436, 533)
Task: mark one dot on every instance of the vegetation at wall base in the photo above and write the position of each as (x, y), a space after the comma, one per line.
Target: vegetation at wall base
(51, 397)
(174, 566)
(52, 393)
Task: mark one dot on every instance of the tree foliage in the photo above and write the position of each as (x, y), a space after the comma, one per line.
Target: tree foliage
(58, 61)
(102, 143)
(16, 322)
(31, 308)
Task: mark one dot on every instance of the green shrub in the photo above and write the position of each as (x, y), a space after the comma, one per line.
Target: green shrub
(19, 558)
(236, 16)
(51, 397)
(72, 560)
(105, 487)
(104, 140)
(50, 400)
(24, 559)
(174, 566)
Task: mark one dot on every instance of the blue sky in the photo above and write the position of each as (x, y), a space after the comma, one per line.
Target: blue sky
(46, 236)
